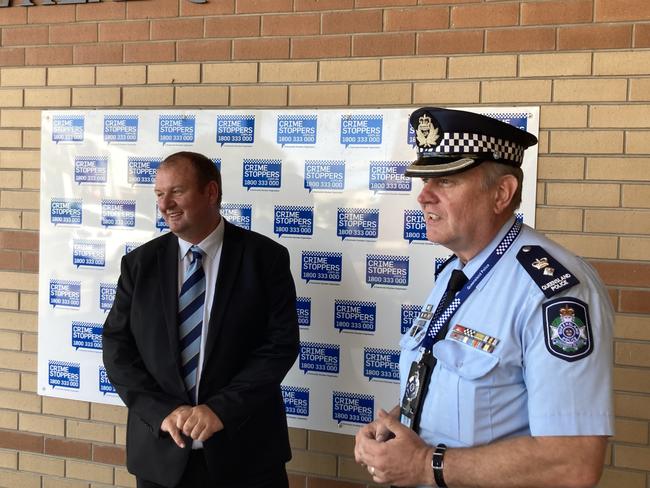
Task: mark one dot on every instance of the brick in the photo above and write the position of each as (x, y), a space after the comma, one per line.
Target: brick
(421, 18)
(563, 116)
(556, 12)
(96, 97)
(232, 26)
(121, 75)
(124, 478)
(620, 116)
(31, 139)
(321, 47)
(590, 90)
(212, 50)
(633, 380)
(383, 44)
(21, 441)
(294, 72)
(634, 301)
(621, 63)
(10, 16)
(632, 327)
(176, 73)
(64, 483)
(583, 194)
(297, 438)
(10, 219)
(22, 76)
(482, 66)
(641, 35)
(98, 54)
(348, 468)
(147, 96)
(49, 55)
(587, 142)
(624, 274)
(264, 96)
(608, 11)
(29, 302)
(29, 262)
(101, 11)
(41, 464)
(622, 169)
(350, 70)
(66, 408)
(10, 260)
(382, 94)
(352, 21)
(618, 221)
(326, 442)
(47, 15)
(556, 64)
(12, 56)
(120, 435)
(449, 42)
(637, 196)
(630, 354)
(639, 90)
(230, 73)
(530, 39)
(138, 30)
(297, 480)
(485, 15)
(8, 300)
(29, 341)
(47, 97)
(318, 95)
(19, 240)
(17, 478)
(594, 37)
(28, 382)
(262, 6)
(72, 34)
(18, 361)
(637, 142)
(613, 478)
(205, 9)
(516, 91)
(88, 471)
(9, 380)
(11, 98)
(290, 25)
(19, 199)
(19, 281)
(9, 460)
(413, 68)
(176, 29)
(588, 246)
(108, 413)
(10, 179)
(10, 341)
(151, 52)
(198, 96)
(19, 159)
(109, 455)
(71, 76)
(312, 463)
(24, 36)
(67, 448)
(152, 10)
(445, 92)
(312, 5)
(11, 138)
(260, 49)
(384, 3)
(631, 431)
(89, 431)
(632, 457)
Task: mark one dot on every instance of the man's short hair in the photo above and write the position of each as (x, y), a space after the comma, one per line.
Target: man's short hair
(204, 168)
(492, 173)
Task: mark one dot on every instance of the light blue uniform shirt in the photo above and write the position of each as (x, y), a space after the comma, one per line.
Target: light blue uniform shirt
(520, 388)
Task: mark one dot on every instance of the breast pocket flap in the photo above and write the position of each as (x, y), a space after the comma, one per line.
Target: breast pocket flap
(465, 361)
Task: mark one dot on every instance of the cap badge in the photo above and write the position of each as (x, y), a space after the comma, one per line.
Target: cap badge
(427, 132)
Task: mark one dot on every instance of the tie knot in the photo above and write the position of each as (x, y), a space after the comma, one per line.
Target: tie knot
(456, 281)
(197, 253)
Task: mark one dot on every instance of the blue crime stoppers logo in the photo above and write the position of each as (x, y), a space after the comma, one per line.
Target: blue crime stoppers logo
(381, 364)
(322, 266)
(235, 129)
(414, 227)
(118, 213)
(408, 314)
(410, 134)
(296, 129)
(388, 176)
(63, 374)
(350, 315)
(387, 270)
(68, 128)
(173, 129)
(64, 293)
(361, 223)
(217, 163)
(296, 400)
(105, 385)
(324, 175)
(161, 223)
(120, 128)
(352, 407)
(88, 253)
(90, 169)
(319, 358)
(130, 246)
(142, 170)
(290, 220)
(87, 335)
(519, 120)
(240, 214)
(361, 129)
(66, 211)
(106, 296)
(262, 173)
(303, 310)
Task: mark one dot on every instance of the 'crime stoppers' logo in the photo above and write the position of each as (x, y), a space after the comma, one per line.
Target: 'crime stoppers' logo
(106, 296)
(324, 175)
(388, 176)
(296, 129)
(262, 173)
(88, 253)
(66, 211)
(118, 213)
(87, 335)
(387, 270)
(414, 227)
(120, 128)
(68, 128)
(174, 129)
(319, 358)
(322, 266)
(240, 214)
(360, 223)
(355, 316)
(294, 221)
(381, 364)
(64, 293)
(352, 407)
(90, 169)
(361, 130)
(235, 129)
(408, 314)
(303, 310)
(105, 385)
(296, 400)
(63, 374)
(142, 170)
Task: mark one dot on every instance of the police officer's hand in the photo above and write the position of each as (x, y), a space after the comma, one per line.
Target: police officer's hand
(402, 460)
(201, 423)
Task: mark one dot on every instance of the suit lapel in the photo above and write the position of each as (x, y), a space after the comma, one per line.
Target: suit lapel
(168, 261)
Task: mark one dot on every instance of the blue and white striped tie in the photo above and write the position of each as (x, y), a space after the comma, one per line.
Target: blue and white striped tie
(190, 318)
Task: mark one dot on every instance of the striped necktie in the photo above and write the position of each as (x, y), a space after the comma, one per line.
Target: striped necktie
(190, 318)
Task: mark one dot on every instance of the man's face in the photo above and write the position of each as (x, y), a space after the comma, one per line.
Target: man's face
(458, 210)
(190, 211)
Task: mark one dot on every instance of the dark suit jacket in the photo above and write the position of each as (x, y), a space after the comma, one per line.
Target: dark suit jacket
(251, 344)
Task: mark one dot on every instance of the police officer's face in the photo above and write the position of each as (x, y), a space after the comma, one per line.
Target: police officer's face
(458, 211)
(189, 210)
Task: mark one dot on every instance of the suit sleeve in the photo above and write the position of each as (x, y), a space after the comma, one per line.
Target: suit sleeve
(256, 385)
(124, 364)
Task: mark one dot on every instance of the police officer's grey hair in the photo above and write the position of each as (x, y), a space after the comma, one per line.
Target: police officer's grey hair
(492, 173)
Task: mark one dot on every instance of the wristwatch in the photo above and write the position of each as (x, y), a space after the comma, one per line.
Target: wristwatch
(437, 465)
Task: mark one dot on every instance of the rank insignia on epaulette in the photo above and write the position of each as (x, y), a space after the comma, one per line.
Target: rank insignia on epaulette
(567, 330)
(546, 271)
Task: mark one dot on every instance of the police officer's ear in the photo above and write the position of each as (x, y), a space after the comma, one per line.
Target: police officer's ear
(504, 192)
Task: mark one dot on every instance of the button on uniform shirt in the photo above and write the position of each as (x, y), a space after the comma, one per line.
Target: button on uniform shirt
(482, 393)
(211, 247)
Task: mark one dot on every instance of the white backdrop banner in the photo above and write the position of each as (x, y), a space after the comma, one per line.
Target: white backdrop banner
(327, 184)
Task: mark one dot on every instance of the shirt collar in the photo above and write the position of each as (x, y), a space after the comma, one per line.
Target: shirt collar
(210, 245)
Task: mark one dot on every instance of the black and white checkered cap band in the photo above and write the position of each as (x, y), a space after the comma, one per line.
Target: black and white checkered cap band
(466, 143)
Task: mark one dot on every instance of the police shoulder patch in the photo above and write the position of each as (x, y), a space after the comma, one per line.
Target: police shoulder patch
(545, 270)
(567, 328)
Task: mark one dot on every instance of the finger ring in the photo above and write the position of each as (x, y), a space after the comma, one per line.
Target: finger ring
(371, 469)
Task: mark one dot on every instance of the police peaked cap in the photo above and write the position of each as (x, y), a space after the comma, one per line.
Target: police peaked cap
(451, 141)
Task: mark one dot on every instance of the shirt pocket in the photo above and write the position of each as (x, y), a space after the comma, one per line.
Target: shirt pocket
(461, 385)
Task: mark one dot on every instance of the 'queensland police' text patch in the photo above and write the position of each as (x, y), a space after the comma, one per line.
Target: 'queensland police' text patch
(545, 270)
(567, 329)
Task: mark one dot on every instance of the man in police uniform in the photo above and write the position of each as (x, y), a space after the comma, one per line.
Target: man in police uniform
(506, 377)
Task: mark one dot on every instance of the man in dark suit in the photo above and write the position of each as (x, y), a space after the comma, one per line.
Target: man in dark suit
(204, 399)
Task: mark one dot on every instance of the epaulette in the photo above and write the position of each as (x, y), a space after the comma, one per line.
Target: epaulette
(545, 270)
(440, 265)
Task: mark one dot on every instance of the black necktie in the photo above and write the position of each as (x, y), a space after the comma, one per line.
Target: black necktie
(456, 281)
